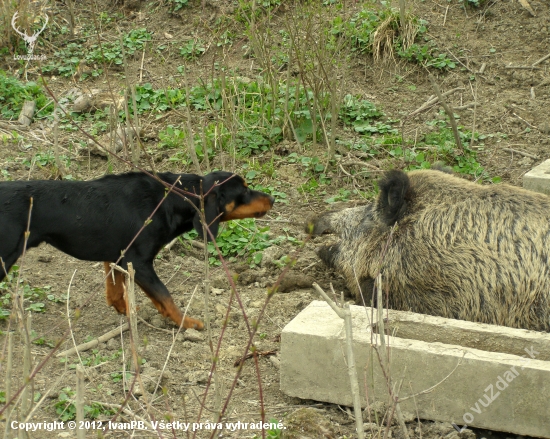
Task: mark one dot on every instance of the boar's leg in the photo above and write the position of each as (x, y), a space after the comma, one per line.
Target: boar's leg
(364, 294)
(329, 255)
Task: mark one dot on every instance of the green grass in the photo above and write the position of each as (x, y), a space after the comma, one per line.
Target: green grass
(13, 93)
(361, 28)
(68, 58)
(35, 298)
(66, 409)
(238, 239)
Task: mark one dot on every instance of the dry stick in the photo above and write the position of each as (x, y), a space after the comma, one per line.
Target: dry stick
(9, 366)
(45, 396)
(25, 330)
(385, 360)
(217, 387)
(526, 122)
(526, 154)
(190, 140)
(26, 395)
(141, 66)
(345, 314)
(522, 67)
(131, 315)
(448, 111)
(251, 331)
(474, 118)
(432, 101)
(402, 18)
(136, 152)
(70, 328)
(432, 388)
(71, 17)
(60, 169)
(79, 402)
(445, 18)
(287, 97)
(91, 344)
(544, 58)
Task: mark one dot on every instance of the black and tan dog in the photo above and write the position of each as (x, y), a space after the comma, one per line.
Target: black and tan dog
(96, 220)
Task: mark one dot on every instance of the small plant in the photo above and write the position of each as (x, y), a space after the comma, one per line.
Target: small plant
(239, 238)
(13, 93)
(178, 4)
(379, 33)
(171, 137)
(473, 3)
(116, 377)
(66, 410)
(33, 296)
(360, 114)
(280, 197)
(94, 359)
(273, 433)
(68, 58)
(192, 49)
(343, 195)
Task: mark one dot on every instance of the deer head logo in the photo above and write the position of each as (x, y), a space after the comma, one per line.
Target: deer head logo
(29, 40)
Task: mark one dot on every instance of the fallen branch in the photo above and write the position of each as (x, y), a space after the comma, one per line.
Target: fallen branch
(522, 67)
(93, 343)
(527, 123)
(544, 58)
(464, 107)
(195, 244)
(432, 101)
(526, 154)
(251, 355)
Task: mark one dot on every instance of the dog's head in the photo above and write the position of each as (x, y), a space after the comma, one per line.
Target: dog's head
(228, 197)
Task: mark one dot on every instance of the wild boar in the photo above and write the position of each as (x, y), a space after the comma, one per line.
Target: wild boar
(457, 249)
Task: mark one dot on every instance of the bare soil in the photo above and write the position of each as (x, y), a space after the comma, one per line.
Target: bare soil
(512, 102)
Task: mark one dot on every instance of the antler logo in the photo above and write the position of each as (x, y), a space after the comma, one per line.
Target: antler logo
(29, 40)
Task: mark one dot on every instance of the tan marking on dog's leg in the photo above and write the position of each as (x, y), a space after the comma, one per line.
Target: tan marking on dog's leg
(115, 289)
(168, 308)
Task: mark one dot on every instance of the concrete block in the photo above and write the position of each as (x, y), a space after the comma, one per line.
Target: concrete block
(502, 381)
(538, 178)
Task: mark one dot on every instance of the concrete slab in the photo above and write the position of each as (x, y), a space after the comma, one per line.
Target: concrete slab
(538, 178)
(502, 382)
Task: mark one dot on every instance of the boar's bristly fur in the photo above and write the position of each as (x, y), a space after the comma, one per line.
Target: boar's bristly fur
(458, 250)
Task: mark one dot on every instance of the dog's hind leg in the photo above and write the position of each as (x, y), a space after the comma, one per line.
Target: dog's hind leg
(149, 282)
(114, 291)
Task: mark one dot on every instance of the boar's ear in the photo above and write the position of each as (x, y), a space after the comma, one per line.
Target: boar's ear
(393, 200)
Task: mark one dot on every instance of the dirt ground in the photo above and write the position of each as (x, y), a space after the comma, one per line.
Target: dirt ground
(512, 113)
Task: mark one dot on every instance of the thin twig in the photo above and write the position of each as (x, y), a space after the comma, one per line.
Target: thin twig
(448, 111)
(91, 344)
(426, 105)
(544, 58)
(526, 154)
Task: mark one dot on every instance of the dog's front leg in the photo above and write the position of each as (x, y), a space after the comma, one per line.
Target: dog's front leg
(149, 282)
(114, 288)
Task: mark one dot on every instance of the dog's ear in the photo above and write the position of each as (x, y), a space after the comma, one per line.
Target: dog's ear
(211, 212)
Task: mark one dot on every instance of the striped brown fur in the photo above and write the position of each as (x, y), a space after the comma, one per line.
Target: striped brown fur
(459, 249)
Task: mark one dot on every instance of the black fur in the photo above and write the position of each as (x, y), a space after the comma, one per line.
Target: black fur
(394, 196)
(96, 220)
